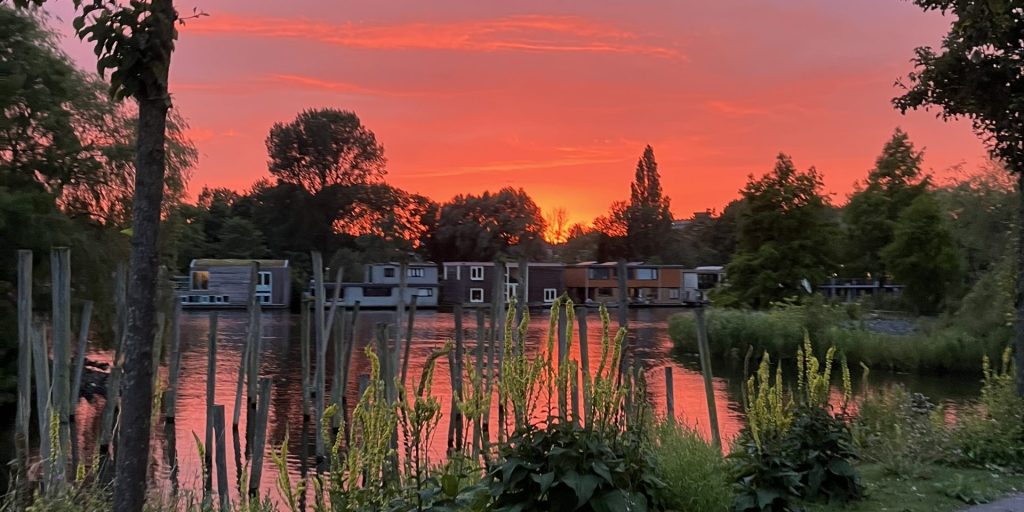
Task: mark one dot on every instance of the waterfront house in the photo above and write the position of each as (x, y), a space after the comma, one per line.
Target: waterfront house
(851, 290)
(699, 281)
(473, 283)
(382, 284)
(225, 283)
(646, 284)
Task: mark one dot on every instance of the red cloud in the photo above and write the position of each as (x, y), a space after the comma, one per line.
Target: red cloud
(513, 33)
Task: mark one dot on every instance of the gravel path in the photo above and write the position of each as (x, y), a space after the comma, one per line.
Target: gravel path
(1011, 504)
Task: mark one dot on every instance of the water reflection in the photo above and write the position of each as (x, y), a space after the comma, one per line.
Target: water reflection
(648, 343)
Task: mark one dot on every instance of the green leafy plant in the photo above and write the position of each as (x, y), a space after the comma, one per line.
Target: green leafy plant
(695, 473)
(991, 432)
(568, 467)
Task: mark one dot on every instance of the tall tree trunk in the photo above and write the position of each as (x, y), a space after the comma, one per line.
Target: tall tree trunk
(1018, 346)
(137, 385)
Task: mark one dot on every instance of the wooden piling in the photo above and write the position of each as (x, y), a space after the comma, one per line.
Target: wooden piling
(60, 275)
(113, 395)
(501, 273)
(24, 414)
(456, 378)
(563, 360)
(244, 364)
(304, 349)
(522, 291)
(174, 370)
(221, 461)
(40, 357)
(581, 317)
(622, 273)
(338, 356)
(260, 440)
(481, 334)
(670, 396)
(321, 358)
(403, 285)
(211, 387)
(83, 337)
(171, 453)
(254, 342)
(346, 366)
(408, 338)
(705, 370)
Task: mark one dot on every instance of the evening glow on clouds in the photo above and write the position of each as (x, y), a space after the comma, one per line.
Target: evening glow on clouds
(561, 97)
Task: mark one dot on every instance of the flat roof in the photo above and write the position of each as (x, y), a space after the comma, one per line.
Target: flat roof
(229, 262)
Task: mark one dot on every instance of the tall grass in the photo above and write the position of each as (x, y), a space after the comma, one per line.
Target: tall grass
(696, 475)
(780, 331)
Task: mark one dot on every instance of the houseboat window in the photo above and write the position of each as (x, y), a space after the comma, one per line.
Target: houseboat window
(224, 298)
(376, 291)
(264, 279)
(476, 274)
(204, 299)
(200, 280)
(550, 294)
(415, 272)
(706, 281)
(673, 293)
(185, 299)
(599, 273)
(645, 274)
(476, 294)
(216, 299)
(264, 298)
(425, 292)
(604, 292)
(389, 271)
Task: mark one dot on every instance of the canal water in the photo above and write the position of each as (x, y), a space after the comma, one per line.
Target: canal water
(648, 341)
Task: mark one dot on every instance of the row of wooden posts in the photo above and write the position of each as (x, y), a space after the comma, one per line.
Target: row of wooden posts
(58, 384)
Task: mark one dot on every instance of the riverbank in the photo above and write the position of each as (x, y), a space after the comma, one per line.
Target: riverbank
(918, 346)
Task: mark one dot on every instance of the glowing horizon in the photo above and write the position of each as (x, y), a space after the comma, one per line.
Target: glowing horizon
(561, 99)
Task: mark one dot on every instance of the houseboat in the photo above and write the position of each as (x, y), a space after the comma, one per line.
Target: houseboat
(473, 283)
(699, 281)
(646, 284)
(851, 290)
(382, 284)
(225, 283)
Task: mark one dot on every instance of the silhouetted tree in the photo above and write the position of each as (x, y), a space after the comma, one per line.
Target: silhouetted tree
(484, 227)
(785, 236)
(648, 219)
(322, 148)
(977, 74)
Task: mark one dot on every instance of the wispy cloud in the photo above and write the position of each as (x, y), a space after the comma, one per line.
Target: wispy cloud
(513, 166)
(531, 33)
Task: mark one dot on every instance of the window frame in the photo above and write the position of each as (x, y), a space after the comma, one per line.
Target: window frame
(205, 280)
(476, 273)
(473, 291)
(552, 293)
(415, 272)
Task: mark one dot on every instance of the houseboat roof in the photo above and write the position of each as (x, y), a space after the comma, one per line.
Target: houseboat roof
(510, 264)
(408, 264)
(213, 262)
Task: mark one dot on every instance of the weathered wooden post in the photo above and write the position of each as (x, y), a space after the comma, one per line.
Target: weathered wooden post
(623, 276)
(174, 371)
(563, 359)
(222, 463)
(408, 338)
(304, 350)
(23, 416)
(260, 440)
(60, 275)
(670, 396)
(581, 317)
(338, 355)
(705, 370)
(113, 397)
(403, 284)
(346, 367)
(456, 379)
(254, 342)
(321, 357)
(83, 337)
(481, 345)
(499, 341)
(211, 387)
(45, 412)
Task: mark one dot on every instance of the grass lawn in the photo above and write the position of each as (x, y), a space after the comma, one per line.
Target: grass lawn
(938, 488)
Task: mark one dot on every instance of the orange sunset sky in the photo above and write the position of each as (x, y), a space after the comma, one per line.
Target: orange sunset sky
(561, 97)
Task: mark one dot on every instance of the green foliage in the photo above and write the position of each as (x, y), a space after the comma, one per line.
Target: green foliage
(648, 218)
(568, 467)
(793, 447)
(870, 215)
(323, 148)
(481, 228)
(922, 255)
(695, 473)
(991, 433)
(902, 432)
(930, 348)
(785, 236)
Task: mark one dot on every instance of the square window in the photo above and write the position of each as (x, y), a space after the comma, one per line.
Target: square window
(673, 293)
(645, 274)
(425, 292)
(200, 280)
(550, 294)
(225, 299)
(476, 294)
(476, 273)
(264, 279)
(389, 271)
(415, 272)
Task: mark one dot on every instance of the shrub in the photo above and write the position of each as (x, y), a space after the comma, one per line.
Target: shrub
(900, 431)
(695, 473)
(991, 432)
(568, 467)
(793, 447)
